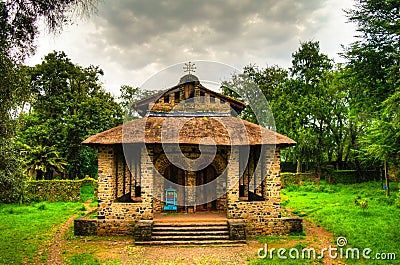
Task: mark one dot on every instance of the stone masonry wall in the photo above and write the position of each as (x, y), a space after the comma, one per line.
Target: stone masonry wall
(93, 227)
(256, 213)
(108, 208)
(56, 190)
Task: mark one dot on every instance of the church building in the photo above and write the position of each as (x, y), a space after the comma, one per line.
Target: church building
(191, 155)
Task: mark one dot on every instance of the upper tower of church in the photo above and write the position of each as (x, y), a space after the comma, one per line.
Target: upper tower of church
(189, 98)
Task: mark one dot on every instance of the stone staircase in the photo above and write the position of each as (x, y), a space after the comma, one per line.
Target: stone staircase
(184, 233)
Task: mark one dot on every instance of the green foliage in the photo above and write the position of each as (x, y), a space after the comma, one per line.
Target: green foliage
(20, 19)
(129, 96)
(345, 176)
(308, 64)
(27, 229)
(362, 203)
(69, 105)
(353, 176)
(397, 200)
(373, 61)
(11, 179)
(381, 140)
(18, 30)
(39, 159)
(311, 187)
(87, 190)
(42, 207)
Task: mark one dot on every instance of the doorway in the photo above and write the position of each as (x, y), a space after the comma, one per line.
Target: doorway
(175, 178)
(205, 194)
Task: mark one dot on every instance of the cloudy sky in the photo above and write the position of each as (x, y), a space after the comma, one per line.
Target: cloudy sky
(133, 39)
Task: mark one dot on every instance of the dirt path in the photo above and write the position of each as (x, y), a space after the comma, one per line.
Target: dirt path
(56, 246)
(320, 238)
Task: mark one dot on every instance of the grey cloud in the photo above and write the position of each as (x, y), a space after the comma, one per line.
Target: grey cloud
(138, 33)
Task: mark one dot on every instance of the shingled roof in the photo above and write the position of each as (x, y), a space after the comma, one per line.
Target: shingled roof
(227, 130)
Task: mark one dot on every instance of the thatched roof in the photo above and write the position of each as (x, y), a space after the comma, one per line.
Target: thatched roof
(190, 130)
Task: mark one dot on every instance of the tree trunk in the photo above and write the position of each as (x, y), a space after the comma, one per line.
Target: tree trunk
(298, 167)
(386, 179)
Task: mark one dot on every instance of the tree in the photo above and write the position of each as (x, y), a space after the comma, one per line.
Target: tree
(19, 21)
(129, 96)
(309, 66)
(375, 56)
(39, 159)
(381, 141)
(18, 30)
(247, 86)
(374, 60)
(68, 106)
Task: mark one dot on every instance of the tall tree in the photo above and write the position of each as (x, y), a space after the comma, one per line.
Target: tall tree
(18, 29)
(374, 59)
(69, 105)
(309, 66)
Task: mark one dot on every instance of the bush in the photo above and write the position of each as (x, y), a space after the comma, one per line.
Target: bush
(11, 180)
(351, 176)
(397, 201)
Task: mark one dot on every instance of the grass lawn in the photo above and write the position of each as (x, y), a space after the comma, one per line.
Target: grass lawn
(27, 230)
(333, 207)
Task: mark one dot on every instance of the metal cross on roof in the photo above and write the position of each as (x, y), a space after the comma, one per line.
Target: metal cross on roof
(189, 67)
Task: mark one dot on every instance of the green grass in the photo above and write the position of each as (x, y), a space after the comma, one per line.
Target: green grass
(87, 192)
(333, 207)
(28, 229)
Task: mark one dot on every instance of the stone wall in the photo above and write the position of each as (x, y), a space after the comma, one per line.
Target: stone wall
(256, 213)
(109, 209)
(282, 226)
(289, 178)
(95, 227)
(56, 190)
(141, 230)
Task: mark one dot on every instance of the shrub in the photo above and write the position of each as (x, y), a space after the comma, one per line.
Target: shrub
(351, 176)
(362, 203)
(11, 180)
(397, 201)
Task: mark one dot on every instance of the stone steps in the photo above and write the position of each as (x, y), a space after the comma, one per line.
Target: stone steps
(189, 233)
(222, 243)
